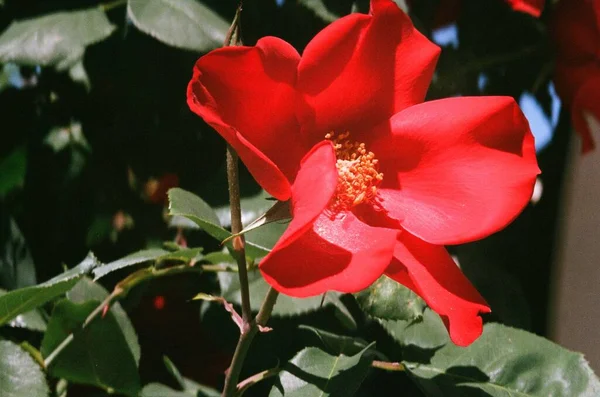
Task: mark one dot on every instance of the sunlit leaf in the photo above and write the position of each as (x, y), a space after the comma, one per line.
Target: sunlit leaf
(152, 254)
(23, 300)
(57, 39)
(98, 354)
(504, 361)
(313, 372)
(190, 206)
(389, 300)
(20, 375)
(186, 24)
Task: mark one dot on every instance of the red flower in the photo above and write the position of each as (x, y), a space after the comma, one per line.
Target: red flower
(576, 28)
(378, 181)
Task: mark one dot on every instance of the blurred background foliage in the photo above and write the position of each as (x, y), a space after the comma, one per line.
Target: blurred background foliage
(96, 130)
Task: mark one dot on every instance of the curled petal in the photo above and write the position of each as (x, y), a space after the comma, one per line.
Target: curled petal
(431, 273)
(341, 254)
(312, 190)
(362, 69)
(458, 169)
(247, 94)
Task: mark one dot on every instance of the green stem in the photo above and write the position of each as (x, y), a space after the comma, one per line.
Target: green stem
(113, 4)
(254, 379)
(236, 227)
(388, 366)
(246, 337)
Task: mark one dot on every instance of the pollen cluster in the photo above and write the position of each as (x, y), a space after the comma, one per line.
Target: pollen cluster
(358, 174)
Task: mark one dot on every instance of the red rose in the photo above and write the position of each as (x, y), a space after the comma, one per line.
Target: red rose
(378, 180)
(576, 30)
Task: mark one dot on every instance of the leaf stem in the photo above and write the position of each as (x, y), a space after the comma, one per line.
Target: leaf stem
(254, 379)
(113, 4)
(385, 365)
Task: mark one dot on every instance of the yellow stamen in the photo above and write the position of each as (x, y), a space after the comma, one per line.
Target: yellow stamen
(358, 174)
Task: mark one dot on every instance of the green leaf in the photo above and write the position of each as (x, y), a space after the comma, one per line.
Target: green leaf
(386, 299)
(57, 39)
(87, 290)
(504, 361)
(17, 269)
(192, 207)
(98, 355)
(31, 320)
(20, 375)
(185, 24)
(333, 343)
(188, 386)
(312, 372)
(252, 207)
(152, 254)
(130, 260)
(160, 390)
(23, 300)
(428, 332)
(285, 306)
(12, 171)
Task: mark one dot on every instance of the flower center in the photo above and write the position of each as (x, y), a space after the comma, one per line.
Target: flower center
(358, 174)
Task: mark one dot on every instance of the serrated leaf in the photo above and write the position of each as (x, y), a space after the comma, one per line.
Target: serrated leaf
(20, 375)
(57, 39)
(98, 355)
(386, 299)
(26, 299)
(312, 372)
(87, 290)
(190, 206)
(185, 24)
(130, 260)
(12, 171)
(504, 361)
(152, 254)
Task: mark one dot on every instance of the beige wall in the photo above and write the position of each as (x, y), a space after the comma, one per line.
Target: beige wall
(575, 312)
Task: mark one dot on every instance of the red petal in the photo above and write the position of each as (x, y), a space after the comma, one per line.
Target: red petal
(311, 192)
(430, 271)
(585, 111)
(532, 7)
(247, 94)
(458, 169)
(341, 254)
(355, 72)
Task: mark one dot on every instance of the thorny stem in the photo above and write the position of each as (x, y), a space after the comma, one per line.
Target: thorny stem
(236, 227)
(249, 330)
